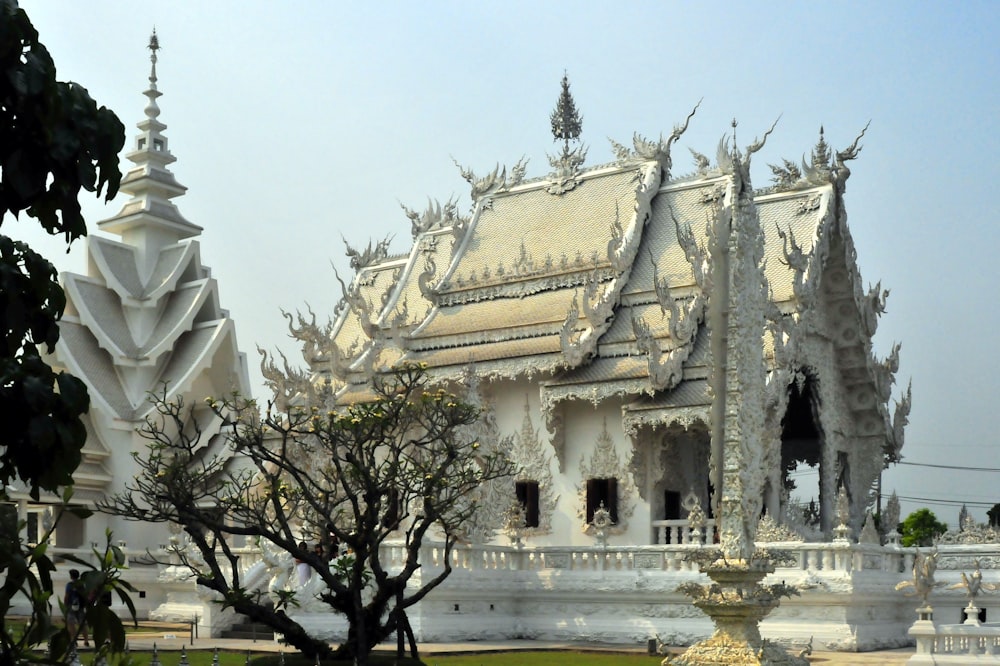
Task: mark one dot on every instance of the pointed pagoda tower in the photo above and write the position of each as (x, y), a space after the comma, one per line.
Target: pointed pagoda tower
(145, 318)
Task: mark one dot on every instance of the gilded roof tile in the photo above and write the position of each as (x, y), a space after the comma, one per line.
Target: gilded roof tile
(801, 212)
(533, 227)
(508, 349)
(487, 319)
(691, 204)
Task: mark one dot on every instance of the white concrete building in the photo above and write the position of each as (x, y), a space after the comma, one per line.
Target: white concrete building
(145, 318)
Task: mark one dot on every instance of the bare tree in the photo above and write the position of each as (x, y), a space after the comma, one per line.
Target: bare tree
(396, 465)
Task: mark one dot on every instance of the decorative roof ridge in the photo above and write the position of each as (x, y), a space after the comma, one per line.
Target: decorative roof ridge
(598, 305)
(540, 182)
(593, 392)
(520, 286)
(819, 170)
(484, 337)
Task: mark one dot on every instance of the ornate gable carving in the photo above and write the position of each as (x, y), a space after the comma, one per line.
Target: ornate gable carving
(495, 496)
(604, 463)
(526, 449)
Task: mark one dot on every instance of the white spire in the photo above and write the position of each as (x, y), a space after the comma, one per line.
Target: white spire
(150, 220)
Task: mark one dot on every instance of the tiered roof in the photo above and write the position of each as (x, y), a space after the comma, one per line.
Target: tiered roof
(595, 282)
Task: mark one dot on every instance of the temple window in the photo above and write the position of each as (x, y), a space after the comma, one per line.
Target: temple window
(602, 491)
(671, 505)
(142, 143)
(157, 144)
(527, 495)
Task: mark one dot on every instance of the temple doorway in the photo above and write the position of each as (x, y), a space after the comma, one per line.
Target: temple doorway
(802, 454)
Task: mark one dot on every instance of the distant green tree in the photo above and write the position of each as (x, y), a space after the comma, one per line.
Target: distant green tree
(994, 515)
(920, 528)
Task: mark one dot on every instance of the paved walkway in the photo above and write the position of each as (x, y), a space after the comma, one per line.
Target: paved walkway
(174, 639)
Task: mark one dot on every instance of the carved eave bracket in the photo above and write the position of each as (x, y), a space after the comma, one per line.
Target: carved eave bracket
(428, 289)
(872, 306)
(685, 417)
(494, 182)
(434, 216)
(555, 424)
(900, 418)
(645, 150)
(667, 369)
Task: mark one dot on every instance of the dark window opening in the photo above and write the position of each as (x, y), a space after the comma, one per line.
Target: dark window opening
(602, 491)
(671, 505)
(157, 144)
(527, 495)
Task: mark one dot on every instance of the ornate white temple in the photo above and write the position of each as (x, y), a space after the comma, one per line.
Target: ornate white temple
(144, 319)
(579, 300)
(577, 310)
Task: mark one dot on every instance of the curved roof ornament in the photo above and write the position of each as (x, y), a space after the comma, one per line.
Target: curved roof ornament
(840, 171)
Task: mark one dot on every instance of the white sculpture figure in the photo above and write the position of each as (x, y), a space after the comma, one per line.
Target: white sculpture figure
(514, 523)
(973, 585)
(601, 522)
(281, 565)
(696, 517)
(924, 566)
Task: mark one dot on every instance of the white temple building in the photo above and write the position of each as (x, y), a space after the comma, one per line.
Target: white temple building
(145, 318)
(575, 309)
(579, 302)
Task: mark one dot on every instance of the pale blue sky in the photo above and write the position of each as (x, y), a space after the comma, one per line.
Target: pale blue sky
(297, 123)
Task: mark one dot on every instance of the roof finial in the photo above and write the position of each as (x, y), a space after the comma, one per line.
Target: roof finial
(566, 122)
(152, 110)
(154, 46)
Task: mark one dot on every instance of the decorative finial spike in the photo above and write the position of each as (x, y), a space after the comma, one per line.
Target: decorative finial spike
(154, 42)
(566, 121)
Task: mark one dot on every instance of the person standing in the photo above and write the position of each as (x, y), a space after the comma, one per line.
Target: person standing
(76, 608)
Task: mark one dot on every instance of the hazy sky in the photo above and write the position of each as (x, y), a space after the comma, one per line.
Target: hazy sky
(295, 124)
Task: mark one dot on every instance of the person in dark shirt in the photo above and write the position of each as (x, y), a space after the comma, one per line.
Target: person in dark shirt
(76, 608)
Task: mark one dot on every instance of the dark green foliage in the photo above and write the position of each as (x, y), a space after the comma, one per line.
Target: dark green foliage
(49, 128)
(54, 142)
(920, 528)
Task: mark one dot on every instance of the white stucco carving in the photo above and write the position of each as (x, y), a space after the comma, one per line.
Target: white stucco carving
(528, 452)
(604, 463)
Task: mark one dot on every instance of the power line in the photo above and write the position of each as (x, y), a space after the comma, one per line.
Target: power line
(964, 469)
(943, 502)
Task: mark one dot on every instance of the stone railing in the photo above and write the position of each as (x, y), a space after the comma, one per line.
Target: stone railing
(678, 532)
(814, 556)
(955, 643)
